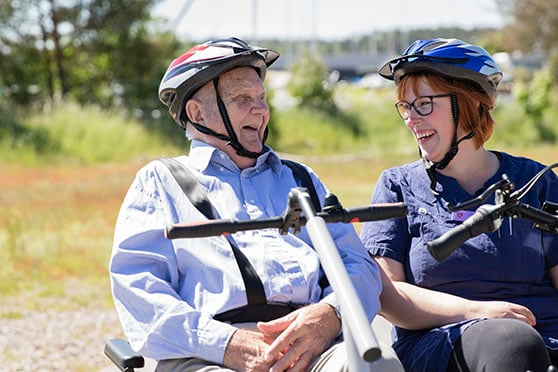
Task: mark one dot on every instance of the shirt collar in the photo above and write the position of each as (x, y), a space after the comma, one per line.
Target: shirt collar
(202, 154)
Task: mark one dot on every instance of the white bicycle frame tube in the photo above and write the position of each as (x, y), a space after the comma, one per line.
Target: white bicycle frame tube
(361, 343)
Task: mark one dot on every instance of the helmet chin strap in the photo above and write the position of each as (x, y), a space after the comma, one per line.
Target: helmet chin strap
(432, 166)
(231, 139)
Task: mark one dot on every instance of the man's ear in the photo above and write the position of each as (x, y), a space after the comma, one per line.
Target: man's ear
(193, 110)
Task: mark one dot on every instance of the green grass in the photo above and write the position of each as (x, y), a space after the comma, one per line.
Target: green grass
(88, 135)
(79, 134)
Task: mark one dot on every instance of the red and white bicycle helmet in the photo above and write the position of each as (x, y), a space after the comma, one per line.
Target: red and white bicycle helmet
(449, 57)
(204, 63)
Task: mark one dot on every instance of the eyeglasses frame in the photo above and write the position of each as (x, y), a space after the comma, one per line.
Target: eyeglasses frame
(412, 104)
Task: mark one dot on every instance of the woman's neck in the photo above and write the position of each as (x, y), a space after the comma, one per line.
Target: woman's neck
(472, 167)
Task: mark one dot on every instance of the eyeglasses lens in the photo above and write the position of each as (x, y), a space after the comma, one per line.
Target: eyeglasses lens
(422, 106)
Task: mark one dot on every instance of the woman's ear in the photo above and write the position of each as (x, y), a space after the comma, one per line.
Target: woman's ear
(480, 108)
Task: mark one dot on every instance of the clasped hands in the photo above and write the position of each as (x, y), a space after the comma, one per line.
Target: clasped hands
(291, 342)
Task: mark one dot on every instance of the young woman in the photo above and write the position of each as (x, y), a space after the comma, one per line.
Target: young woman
(445, 91)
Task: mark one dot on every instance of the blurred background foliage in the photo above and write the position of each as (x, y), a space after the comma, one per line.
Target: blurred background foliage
(79, 114)
(78, 80)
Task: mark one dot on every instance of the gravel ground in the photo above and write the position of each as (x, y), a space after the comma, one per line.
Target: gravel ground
(71, 341)
(50, 328)
(67, 333)
(57, 341)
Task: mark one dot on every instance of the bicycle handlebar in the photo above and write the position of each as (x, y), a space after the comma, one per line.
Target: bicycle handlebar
(206, 228)
(482, 221)
(488, 217)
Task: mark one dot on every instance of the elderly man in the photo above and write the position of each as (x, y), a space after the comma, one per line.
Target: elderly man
(187, 302)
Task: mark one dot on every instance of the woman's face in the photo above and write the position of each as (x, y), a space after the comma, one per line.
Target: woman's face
(433, 132)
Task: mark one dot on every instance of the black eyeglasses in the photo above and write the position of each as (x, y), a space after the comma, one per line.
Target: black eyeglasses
(423, 106)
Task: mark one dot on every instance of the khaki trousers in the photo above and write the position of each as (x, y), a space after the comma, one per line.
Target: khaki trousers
(333, 359)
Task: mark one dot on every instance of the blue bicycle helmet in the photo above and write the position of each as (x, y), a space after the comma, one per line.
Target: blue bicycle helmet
(449, 57)
(452, 58)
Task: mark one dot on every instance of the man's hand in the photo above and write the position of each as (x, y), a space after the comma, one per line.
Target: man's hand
(300, 337)
(246, 351)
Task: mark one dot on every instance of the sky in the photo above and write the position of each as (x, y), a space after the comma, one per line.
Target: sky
(200, 20)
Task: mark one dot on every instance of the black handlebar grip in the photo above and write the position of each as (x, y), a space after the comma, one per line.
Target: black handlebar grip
(374, 212)
(199, 229)
(442, 247)
(482, 221)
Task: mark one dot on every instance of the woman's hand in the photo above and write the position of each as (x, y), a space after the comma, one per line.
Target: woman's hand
(501, 309)
(432, 309)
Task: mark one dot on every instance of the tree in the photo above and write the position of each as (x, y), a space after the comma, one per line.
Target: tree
(90, 50)
(533, 26)
(309, 84)
(33, 42)
(535, 100)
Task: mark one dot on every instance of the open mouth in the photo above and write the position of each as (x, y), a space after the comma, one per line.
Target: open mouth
(420, 136)
(252, 126)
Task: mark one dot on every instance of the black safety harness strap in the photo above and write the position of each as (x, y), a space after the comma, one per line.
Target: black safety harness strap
(257, 308)
(302, 174)
(190, 186)
(187, 181)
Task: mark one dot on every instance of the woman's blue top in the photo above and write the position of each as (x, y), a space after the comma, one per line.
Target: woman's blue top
(510, 264)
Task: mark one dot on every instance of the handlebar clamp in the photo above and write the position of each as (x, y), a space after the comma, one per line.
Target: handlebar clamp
(551, 208)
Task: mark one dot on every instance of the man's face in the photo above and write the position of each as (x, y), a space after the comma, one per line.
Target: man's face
(244, 96)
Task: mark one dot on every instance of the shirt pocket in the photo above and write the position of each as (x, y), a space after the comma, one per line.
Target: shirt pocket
(522, 253)
(427, 225)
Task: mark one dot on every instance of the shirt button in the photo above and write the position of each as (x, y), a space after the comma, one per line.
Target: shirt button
(422, 210)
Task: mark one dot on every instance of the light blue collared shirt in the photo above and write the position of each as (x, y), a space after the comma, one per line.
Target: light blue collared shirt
(166, 292)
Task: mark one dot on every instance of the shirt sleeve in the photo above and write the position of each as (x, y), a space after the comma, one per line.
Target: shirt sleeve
(386, 238)
(145, 279)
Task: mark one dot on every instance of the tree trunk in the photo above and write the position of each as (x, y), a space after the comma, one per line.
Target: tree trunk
(58, 55)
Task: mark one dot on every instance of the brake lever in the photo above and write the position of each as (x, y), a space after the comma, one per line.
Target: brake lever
(292, 215)
(503, 188)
